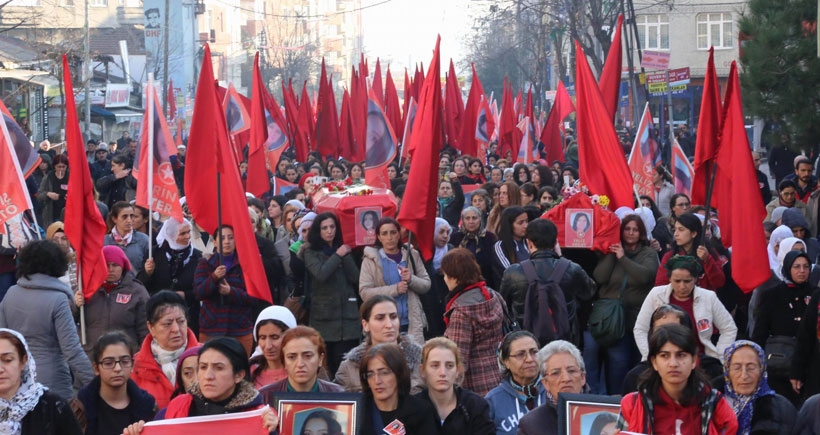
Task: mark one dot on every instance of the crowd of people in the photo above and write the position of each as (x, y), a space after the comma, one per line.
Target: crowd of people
(434, 346)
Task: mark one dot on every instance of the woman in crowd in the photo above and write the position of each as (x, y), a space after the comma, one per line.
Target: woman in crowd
(482, 200)
(472, 236)
(56, 233)
(174, 265)
(475, 173)
(528, 194)
(433, 301)
(460, 168)
(649, 203)
(156, 363)
(497, 175)
(547, 197)
(220, 285)
(473, 314)
(306, 184)
(380, 322)
(522, 174)
(541, 176)
(778, 235)
(460, 411)
(120, 185)
(675, 392)
(702, 306)
(337, 173)
(508, 196)
(53, 189)
(521, 389)
(303, 356)
(758, 408)
(332, 276)
(393, 269)
(388, 403)
(222, 387)
(28, 407)
(121, 234)
(804, 377)
(356, 172)
(186, 371)
(562, 371)
(112, 400)
(39, 307)
(627, 274)
(119, 303)
(679, 204)
(688, 232)
(450, 199)
(511, 247)
(266, 361)
(663, 189)
(779, 317)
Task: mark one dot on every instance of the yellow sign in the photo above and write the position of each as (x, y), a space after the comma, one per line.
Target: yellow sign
(660, 88)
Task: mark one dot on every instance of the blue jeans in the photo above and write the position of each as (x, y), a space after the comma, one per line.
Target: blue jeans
(606, 367)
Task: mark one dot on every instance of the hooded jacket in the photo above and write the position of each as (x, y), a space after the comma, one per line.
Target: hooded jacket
(507, 406)
(793, 218)
(122, 308)
(348, 373)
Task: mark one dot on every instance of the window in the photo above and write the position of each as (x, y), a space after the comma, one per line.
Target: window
(715, 29)
(25, 3)
(653, 31)
(98, 2)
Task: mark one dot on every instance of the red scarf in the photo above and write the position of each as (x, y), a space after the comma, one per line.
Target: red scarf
(480, 285)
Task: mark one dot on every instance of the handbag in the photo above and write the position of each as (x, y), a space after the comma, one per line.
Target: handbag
(779, 355)
(606, 321)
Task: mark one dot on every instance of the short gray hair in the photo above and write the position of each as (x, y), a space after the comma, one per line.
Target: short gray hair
(555, 347)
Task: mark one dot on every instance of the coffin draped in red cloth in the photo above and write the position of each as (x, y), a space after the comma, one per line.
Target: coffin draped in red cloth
(359, 209)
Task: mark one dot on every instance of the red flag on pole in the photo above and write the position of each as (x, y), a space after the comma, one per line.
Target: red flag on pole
(467, 139)
(209, 139)
(551, 133)
(682, 170)
(172, 100)
(165, 197)
(741, 207)
(307, 124)
(392, 108)
(426, 142)
(645, 155)
(327, 119)
(84, 226)
(453, 109)
(377, 87)
(610, 82)
(706, 143)
(507, 122)
(268, 138)
(14, 197)
(346, 128)
(381, 144)
(600, 156)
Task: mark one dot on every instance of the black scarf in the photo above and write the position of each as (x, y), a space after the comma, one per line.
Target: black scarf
(177, 258)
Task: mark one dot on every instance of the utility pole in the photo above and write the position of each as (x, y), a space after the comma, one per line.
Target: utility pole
(86, 75)
(165, 58)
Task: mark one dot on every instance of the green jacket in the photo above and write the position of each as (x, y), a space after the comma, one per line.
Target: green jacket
(333, 286)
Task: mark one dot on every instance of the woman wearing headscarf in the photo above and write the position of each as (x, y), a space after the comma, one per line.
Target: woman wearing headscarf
(758, 408)
(433, 301)
(773, 248)
(474, 237)
(26, 406)
(174, 265)
(119, 303)
(56, 233)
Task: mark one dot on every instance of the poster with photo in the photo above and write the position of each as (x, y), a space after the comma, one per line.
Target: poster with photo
(332, 413)
(578, 231)
(367, 218)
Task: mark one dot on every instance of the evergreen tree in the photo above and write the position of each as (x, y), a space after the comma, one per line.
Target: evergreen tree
(780, 68)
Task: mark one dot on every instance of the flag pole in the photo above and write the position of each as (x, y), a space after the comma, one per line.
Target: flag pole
(711, 173)
(83, 339)
(150, 161)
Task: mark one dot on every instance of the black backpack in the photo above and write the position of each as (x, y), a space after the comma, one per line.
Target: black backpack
(545, 308)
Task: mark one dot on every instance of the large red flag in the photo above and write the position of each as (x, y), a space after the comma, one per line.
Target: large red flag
(172, 100)
(507, 122)
(741, 207)
(420, 195)
(453, 109)
(291, 110)
(610, 82)
(706, 143)
(377, 87)
(645, 155)
(156, 140)
(358, 112)
(268, 139)
(327, 119)
(84, 226)
(210, 154)
(600, 156)
(305, 127)
(392, 108)
(467, 139)
(381, 145)
(14, 197)
(346, 128)
(551, 133)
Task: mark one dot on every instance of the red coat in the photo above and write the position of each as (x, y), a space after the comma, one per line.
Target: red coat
(148, 374)
(722, 419)
(712, 278)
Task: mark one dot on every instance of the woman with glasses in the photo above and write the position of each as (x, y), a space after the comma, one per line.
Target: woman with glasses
(562, 371)
(389, 407)
(521, 389)
(112, 400)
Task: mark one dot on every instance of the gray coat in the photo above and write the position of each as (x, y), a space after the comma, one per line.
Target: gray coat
(39, 307)
(136, 250)
(333, 284)
(123, 308)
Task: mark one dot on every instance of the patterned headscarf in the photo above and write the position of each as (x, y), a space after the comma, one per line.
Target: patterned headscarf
(743, 405)
(25, 399)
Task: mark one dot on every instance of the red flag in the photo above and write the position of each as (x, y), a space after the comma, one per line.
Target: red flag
(467, 139)
(358, 112)
(410, 118)
(453, 109)
(507, 122)
(741, 207)
(381, 144)
(172, 100)
(377, 83)
(291, 111)
(484, 126)
(706, 144)
(551, 133)
(391, 104)
(238, 119)
(84, 226)
(682, 170)
(327, 124)
(426, 142)
(268, 138)
(14, 197)
(645, 155)
(346, 128)
(165, 195)
(518, 103)
(209, 139)
(527, 152)
(408, 94)
(600, 156)
(305, 127)
(418, 81)
(610, 82)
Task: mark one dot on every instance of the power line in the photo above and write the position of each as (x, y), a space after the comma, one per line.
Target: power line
(302, 16)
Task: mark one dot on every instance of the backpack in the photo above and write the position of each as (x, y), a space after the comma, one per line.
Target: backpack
(545, 308)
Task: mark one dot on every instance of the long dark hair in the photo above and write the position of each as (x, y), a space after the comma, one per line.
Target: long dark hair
(643, 239)
(691, 223)
(650, 384)
(315, 232)
(505, 231)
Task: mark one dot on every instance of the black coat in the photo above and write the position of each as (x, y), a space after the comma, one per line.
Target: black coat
(806, 356)
(51, 416)
(142, 405)
(471, 415)
(418, 417)
(161, 279)
(542, 420)
(773, 415)
(483, 255)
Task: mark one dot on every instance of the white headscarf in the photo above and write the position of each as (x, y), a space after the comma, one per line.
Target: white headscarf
(623, 212)
(307, 221)
(437, 256)
(274, 312)
(26, 397)
(648, 220)
(170, 231)
(786, 246)
(778, 235)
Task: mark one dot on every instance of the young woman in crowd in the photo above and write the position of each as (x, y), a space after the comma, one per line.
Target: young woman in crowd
(541, 176)
(528, 194)
(266, 362)
(122, 234)
(508, 196)
(472, 314)
(450, 199)
(380, 322)
(396, 270)
(186, 371)
(112, 400)
(433, 301)
(511, 247)
(474, 237)
(460, 411)
(547, 197)
(688, 232)
(388, 403)
(521, 174)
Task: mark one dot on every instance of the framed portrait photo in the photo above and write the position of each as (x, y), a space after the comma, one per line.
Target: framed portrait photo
(587, 414)
(578, 231)
(320, 412)
(366, 221)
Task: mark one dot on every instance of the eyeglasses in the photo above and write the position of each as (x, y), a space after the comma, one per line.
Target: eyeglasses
(573, 372)
(109, 363)
(381, 374)
(524, 353)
